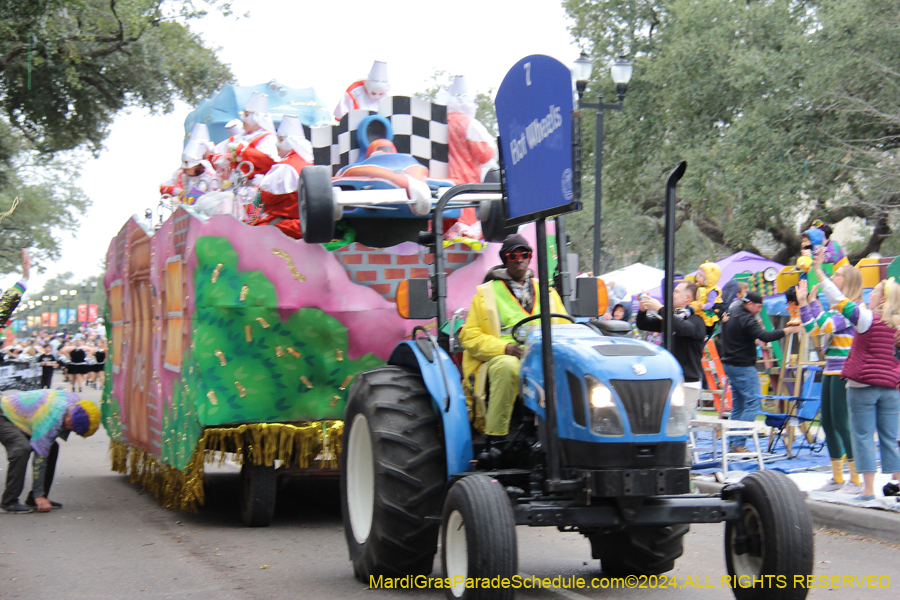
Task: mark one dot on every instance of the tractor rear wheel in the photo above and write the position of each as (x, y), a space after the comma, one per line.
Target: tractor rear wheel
(393, 474)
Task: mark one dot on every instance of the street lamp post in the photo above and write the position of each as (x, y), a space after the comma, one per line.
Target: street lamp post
(72, 297)
(65, 295)
(621, 72)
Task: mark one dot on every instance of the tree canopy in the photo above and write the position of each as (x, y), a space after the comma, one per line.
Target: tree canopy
(67, 68)
(782, 109)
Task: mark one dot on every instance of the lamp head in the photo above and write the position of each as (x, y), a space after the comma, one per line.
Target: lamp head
(581, 71)
(621, 72)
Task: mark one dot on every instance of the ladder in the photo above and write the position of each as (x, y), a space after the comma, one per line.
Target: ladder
(716, 381)
(795, 356)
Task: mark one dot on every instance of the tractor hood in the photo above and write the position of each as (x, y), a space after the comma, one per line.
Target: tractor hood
(609, 389)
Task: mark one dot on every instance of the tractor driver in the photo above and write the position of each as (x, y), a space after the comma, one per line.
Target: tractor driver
(491, 356)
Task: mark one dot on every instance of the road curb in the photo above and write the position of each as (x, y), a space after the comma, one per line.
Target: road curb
(876, 524)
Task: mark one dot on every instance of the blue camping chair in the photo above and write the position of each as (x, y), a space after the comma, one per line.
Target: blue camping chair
(804, 410)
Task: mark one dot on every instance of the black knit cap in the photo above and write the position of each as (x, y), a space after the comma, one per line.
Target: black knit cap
(511, 243)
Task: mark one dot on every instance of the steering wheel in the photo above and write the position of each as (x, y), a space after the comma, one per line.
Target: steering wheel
(517, 326)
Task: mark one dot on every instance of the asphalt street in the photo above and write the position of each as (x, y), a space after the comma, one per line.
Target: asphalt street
(113, 541)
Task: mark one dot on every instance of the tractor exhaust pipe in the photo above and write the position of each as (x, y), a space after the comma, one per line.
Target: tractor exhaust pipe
(668, 285)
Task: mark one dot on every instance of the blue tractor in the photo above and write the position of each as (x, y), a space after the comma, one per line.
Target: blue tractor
(597, 445)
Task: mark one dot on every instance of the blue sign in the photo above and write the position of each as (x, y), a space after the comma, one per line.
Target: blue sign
(534, 116)
(67, 316)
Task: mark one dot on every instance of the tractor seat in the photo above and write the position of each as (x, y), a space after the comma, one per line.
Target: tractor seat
(612, 328)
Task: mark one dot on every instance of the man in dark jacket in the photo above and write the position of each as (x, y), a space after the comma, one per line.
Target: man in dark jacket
(738, 352)
(688, 336)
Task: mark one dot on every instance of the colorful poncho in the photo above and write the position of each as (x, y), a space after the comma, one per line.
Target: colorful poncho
(39, 413)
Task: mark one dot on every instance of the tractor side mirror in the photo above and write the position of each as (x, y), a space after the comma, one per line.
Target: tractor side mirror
(591, 299)
(414, 300)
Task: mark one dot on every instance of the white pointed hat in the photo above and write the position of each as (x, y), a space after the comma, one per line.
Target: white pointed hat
(459, 99)
(192, 154)
(234, 127)
(290, 126)
(258, 103)
(459, 86)
(376, 84)
(378, 72)
(200, 133)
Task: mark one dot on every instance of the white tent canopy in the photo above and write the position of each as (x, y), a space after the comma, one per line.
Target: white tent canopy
(636, 278)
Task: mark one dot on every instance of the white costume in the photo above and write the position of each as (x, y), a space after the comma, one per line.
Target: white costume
(181, 183)
(365, 94)
(235, 131)
(283, 177)
(257, 146)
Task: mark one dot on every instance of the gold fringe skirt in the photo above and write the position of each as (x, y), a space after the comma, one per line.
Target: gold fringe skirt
(298, 445)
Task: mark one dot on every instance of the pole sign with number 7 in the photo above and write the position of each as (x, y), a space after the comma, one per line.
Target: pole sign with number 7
(534, 116)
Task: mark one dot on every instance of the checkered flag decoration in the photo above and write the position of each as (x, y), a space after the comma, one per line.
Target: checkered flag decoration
(420, 129)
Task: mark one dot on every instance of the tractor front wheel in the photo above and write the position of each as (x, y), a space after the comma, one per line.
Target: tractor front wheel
(777, 539)
(479, 538)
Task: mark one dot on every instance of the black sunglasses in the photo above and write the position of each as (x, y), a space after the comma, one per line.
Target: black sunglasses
(526, 255)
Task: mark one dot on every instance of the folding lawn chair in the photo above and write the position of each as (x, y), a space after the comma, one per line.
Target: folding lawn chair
(804, 411)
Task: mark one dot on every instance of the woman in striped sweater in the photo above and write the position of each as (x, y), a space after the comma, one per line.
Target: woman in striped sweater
(837, 333)
(873, 374)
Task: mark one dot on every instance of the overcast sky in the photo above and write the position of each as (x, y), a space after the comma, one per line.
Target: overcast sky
(323, 45)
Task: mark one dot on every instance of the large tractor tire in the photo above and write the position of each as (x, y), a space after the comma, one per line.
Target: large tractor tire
(258, 487)
(316, 200)
(780, 539)
(478, 538)
(639, 551)
(393, 474)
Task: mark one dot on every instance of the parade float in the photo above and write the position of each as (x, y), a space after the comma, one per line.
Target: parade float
(239, 342)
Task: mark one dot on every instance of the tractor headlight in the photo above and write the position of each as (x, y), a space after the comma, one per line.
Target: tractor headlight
(678, 395)
(605, 417)
(677, 425)
(601, 397)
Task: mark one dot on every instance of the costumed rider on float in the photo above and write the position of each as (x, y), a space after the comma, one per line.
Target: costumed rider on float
(195, 177)
(472, 152)
(278, 188)
(491, 356)
(220, 155)
(254, 153)
(258, 146)
(365, 94)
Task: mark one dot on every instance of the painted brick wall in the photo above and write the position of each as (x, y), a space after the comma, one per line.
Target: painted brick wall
(381, 271)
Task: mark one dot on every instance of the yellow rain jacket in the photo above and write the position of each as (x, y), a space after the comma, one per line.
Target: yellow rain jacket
(481, 338)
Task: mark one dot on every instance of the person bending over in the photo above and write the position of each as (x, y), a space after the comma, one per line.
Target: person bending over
(32, 421)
